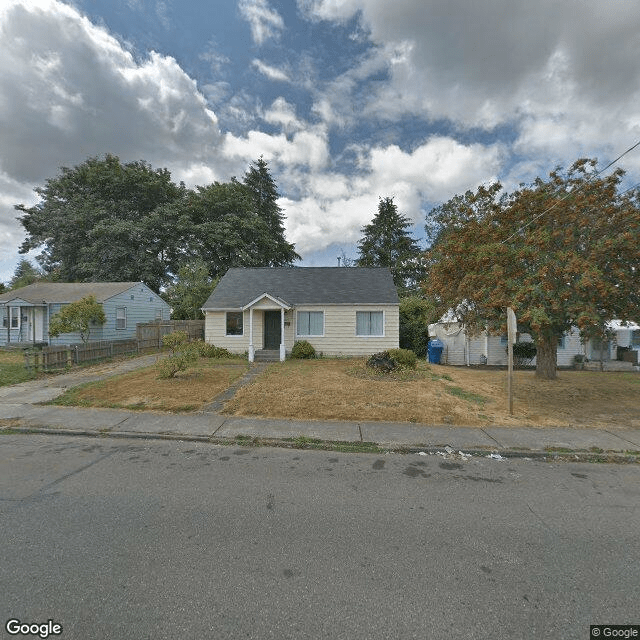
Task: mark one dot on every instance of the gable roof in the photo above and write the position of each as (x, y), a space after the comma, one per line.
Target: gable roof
(304, 285)
(47, 292)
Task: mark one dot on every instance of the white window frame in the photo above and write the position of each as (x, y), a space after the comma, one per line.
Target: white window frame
(14, 313)
(125, 318)
(309, 335)
(562, 342)
(634, 339)
(226, 325)
(371, 335)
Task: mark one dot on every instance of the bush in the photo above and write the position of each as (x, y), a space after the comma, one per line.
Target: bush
(303, 349)
(404, 358)
(182, 354)
(211, 351)
(523, 353)
(382, 362)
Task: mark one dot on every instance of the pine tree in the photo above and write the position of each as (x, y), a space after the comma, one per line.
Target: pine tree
(387, 243)
(265, 196)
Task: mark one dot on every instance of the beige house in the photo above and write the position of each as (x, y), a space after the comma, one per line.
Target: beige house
(340, 311)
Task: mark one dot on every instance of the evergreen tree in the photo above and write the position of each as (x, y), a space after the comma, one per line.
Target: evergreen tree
(387, 243)
(24, 275)
(190, 291)
(264, 194)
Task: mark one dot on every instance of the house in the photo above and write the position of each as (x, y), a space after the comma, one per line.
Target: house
(26, 311)
(460, 348)
(339, 310)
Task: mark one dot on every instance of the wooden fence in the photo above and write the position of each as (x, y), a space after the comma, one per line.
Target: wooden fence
(61, 357)
(148, 338)
(149, 335)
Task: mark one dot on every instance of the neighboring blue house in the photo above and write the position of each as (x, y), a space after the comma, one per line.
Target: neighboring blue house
(26, 311)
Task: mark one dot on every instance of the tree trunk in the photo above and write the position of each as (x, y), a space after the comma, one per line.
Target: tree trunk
(546, 358)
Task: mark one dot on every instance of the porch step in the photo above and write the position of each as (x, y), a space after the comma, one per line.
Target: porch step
(609, 365)
(266, 355)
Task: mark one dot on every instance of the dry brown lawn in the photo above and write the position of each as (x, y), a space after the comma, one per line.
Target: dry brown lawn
(340, 390)
(141, 389)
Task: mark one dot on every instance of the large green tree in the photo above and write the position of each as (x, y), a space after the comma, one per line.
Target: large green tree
(190, 291)
(386, 242)
(105, 220)
(264, 197)
(102, 220)
(561, 252)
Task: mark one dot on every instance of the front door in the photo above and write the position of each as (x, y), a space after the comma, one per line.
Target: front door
(272, 330)
(38, 314)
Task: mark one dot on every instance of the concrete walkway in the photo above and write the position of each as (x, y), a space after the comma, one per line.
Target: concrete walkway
(19, 411)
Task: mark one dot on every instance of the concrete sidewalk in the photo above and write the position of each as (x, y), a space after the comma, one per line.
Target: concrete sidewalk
(218, 428)
(19, 410)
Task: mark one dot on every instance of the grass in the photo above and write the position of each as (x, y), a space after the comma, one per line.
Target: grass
(12, 369)
(142, 390)
(343, 389)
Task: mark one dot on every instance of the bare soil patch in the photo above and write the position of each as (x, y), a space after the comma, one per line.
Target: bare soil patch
(142, 389)
(343, 390)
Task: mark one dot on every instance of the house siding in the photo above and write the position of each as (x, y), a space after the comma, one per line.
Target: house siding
(461, 350)
(144, 307)
(339, 330)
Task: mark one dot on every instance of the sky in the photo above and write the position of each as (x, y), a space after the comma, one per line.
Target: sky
(347, 100)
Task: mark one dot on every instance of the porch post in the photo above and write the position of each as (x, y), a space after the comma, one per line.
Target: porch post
(282, 349)
(252, 351)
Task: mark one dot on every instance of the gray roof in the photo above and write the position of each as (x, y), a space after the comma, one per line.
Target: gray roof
(304, 285)
(40, 292)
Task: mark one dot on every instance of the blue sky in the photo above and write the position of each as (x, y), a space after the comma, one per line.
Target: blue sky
(348, 100)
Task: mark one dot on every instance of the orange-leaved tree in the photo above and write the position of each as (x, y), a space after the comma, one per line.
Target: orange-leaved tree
(561, 252)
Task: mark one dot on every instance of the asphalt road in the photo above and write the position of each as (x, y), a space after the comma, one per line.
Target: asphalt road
(141, 539)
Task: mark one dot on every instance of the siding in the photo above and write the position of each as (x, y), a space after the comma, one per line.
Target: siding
(339, 330)
(142, 308)
(458, 350)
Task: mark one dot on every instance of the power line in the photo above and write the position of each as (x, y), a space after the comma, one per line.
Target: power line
(555, 204)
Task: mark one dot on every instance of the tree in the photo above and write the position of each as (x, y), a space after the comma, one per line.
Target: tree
(387, 243)
(102, 220)
(190, 291)
(561, 252)
(416, 314)
(24, 275)
(78, 317)
(264, 196)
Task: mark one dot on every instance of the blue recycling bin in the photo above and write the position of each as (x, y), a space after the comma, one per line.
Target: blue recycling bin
(435, 351)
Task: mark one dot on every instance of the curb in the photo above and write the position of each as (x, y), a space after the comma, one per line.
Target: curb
(612, 457)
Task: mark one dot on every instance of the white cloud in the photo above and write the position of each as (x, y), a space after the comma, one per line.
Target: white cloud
(265, 22)
(284, 114)
(564, 76)
(271, 72)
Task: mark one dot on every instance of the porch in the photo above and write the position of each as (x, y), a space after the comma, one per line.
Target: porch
(272, 310)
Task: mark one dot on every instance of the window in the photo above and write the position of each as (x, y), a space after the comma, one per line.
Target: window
(159, 314)
(234, 323)
(121, 318)
(635, 338)
(561, 342)
(369, 323)
(5, 320)
(504, 341)
(15, 317)
(310, 323)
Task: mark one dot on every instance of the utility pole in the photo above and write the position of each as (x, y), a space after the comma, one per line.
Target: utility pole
(512, 330)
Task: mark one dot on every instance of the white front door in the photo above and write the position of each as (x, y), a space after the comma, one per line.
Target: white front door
(38, 319)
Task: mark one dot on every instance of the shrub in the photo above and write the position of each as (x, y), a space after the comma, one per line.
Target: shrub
(382, 362)
(404, 358)
(211, 351)
(182, 354)
(303, 349)
(523, 353)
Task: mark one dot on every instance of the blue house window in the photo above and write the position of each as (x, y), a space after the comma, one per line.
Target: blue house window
(561, 342)
(15, 317)
(121, 318)
(635, 338)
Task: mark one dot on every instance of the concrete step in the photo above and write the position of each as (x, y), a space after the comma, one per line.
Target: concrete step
(608, 365)
(265, 355)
